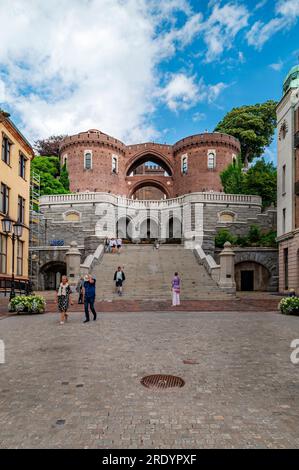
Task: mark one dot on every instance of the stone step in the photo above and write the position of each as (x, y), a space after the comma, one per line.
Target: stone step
(149, 273)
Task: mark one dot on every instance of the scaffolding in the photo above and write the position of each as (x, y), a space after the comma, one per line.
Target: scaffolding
(34, 223)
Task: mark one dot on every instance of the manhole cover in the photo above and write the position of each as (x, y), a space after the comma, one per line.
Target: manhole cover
(162, 381)
(60, 422)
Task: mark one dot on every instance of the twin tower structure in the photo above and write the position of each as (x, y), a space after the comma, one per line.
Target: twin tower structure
(97, 162)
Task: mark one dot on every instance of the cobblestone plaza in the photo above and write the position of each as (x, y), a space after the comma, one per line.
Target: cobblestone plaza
(79, 385)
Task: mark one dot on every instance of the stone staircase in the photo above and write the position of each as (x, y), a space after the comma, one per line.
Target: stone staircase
(149, 273)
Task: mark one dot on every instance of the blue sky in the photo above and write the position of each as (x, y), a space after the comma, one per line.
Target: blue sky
(141, 70)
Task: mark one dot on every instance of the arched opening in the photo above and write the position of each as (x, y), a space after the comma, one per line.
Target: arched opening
(124, 228)
(251, 276)
(149, 230)
(149, 164)
(52, 273)
(174, 230)
(149, 190)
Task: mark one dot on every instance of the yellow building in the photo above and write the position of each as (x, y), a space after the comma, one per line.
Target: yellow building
(16, 155)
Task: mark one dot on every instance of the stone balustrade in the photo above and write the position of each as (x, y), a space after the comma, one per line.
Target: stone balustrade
(97, 197)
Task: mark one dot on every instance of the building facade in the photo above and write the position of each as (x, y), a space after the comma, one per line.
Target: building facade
(16, 155)
(288, 182)
(99, 163)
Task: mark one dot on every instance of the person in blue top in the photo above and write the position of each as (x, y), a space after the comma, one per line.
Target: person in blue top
(89, 297)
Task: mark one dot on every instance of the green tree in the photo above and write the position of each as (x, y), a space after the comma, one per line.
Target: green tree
(64, 177)
(260, 180)
(253, 125)
(232, 178)
(50, 178)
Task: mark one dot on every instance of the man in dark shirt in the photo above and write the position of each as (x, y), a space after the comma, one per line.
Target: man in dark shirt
(89, 297)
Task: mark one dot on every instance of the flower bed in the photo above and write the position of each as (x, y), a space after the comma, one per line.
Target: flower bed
(289, 305)
(27, 304)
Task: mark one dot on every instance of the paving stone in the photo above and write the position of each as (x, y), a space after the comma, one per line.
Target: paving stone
(247, 397)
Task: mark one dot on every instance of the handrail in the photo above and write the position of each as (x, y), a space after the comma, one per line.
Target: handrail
(21, 286)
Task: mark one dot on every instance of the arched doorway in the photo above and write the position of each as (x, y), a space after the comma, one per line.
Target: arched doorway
(149, 163)
(148, 230)
(163, 192)
(251, 276)
(51, 273)
(174, 230)
(124, 228)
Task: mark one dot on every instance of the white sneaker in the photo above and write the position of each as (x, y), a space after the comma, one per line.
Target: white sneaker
(62, 323)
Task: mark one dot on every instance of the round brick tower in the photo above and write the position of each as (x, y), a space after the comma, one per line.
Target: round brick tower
(98, 162)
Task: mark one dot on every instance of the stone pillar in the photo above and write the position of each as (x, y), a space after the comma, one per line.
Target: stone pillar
(73, 261)
(227, 269)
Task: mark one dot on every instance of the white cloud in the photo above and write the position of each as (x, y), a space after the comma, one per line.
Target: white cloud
(287, 13)
(181, 92)
(198, 117)
(72, 65)
(276, 66)
(184, 92)
(222, 27)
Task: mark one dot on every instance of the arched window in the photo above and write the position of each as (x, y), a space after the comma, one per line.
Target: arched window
(114, 164)
(226, 216)
(88, 160)
(72, 216)
(184, 164)
(211, 159)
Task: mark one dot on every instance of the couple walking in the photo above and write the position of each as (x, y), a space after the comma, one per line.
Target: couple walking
(87, 292)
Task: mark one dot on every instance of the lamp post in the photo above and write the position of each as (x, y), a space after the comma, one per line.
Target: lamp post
(13, 231)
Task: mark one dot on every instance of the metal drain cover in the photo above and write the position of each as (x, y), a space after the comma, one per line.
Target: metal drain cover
(158, 381)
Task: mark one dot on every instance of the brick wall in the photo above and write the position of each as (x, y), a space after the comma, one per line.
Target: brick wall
(101, 178)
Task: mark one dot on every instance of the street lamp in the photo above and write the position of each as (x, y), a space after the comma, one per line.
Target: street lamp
(13, 231)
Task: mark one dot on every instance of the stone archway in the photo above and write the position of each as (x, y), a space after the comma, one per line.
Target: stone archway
(251, 276)
(146, 182)
(146, 156)
(267, 258)
(51, 273)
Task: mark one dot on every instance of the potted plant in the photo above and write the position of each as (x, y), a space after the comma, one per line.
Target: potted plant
(27, 304)
(289, 305)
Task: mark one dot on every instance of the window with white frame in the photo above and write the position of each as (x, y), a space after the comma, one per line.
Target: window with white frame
(114, 163)
(211, 159)
(234, 158)
(88, 160)
(184, 164)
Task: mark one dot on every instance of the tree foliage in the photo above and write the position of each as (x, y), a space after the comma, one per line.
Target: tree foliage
(260, 180)
(49, 146)
(253, 125)
(52, 180)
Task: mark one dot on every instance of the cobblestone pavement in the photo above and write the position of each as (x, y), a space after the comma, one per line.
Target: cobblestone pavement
(79, 385)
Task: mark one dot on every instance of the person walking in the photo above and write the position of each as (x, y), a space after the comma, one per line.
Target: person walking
(119, 278)
(79, 289)
(89, 297)
(64, 299)
(176, 290)
(119, 243)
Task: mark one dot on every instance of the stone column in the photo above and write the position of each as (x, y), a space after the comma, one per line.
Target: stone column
(227, 269)
(73, 261)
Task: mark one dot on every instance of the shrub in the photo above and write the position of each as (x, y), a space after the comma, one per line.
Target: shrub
(27, 304)
(255, 234)
(224, 236)
(289, 305)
